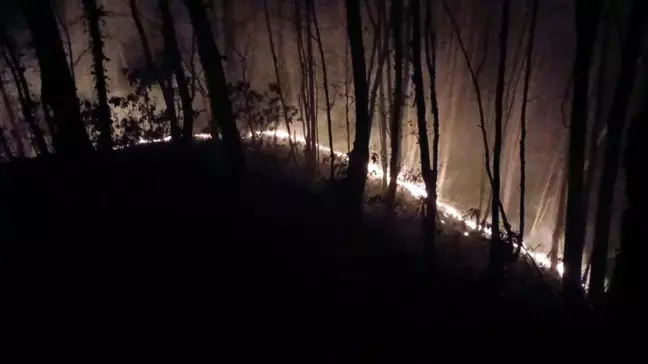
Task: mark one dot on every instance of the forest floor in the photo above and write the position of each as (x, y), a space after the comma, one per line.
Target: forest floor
(152, 247)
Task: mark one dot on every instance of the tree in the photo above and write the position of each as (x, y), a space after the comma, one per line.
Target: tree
(173, 57)
(397, 106)
(615, 125)
(59, 91)
(627, 290)
(327, 97)
(221, 106)
(430, 57)
(497, 248)
(93, 14)
(424, 145)
(163, 81)
(587, 18)
(280, 91)
(13, 61)
(359, 156)
(523, 121)
(21, 148)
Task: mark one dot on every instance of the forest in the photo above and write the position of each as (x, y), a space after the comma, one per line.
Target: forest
(353, 178)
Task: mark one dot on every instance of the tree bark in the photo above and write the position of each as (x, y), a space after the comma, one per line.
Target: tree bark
(615, 126)
(93, 15)
(71, 138)
(359, 156)
(220, 103)
(21, 148)
(173, 56)
(587, 18)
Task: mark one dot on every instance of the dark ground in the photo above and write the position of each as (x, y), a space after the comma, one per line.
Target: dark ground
(153, 253)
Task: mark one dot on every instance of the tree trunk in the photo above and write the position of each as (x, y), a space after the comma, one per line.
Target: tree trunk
(628, 289)
(327, 96)
(430, 57)
(71, 138)
(359, 156)
(424, 145)
(615, 126)
(220, 103)
(312, 99)
(93, 14)
(523, 122)
(280, 90)
(21, 148)
(497, 253)
(587, 18)
(399, 100)
(172, 54)
(165, 84)
(12, 59)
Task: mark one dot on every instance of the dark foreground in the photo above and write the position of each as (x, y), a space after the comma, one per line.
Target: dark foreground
(158, 254)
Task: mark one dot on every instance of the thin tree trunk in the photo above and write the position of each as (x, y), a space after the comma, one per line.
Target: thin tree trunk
(12, 59)
(359, 156)
(173, 56)
(496, 248)
(22, 150)
(397, 109)
(587, 18)
(282, 98)
(346, 96)
(327, 97)
(559, 229)
(424, 145)
(71, 138)
(615, 126)
(93, 15)
(523, 122)
(628, 289)
(220, 103)
(430, 57)
(312, 108)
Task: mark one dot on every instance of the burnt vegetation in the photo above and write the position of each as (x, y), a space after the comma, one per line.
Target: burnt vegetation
(194, 198)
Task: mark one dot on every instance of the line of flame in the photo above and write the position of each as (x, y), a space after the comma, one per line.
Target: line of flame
(416, 190)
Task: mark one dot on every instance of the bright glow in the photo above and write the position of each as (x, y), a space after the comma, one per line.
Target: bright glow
(416, 190)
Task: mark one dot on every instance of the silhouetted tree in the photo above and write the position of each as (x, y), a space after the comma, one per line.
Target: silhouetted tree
(93, 14)
(397, 106)
(174, 59)
(615, 125)
(221, 106)
(59, 91)
(424, 146)
(163, 78)
(21, 148)
(27, 106)
(523, 121)
(359, 156)
(282, 98)
(587, 18)
(628, 289)
(496, 248)
(327, 97)
(430, 57)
